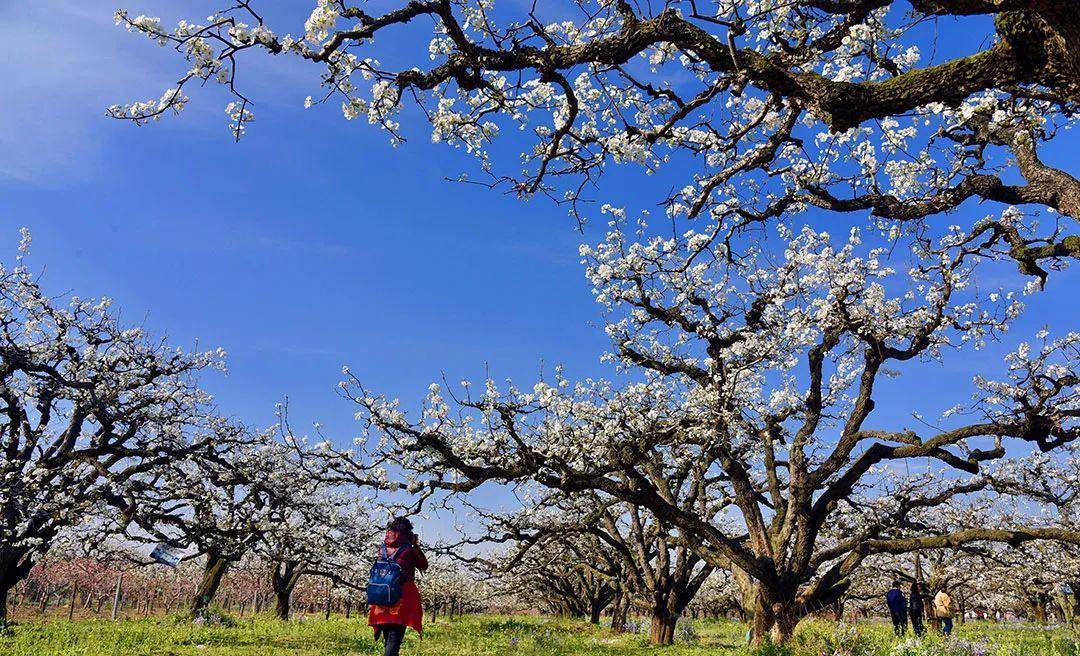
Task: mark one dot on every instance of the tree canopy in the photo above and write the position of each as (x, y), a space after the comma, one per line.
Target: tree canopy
(838, 196)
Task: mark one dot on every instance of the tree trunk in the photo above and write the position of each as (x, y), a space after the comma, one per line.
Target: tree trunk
(283, 579)
(747, 595)
(1038, 611)
(783, 630)
(213, 573)
(662, 627)
(595, 609)
(4, 590)
(71, 603)
(282, 603)
(774, 618)
(619, 610)
(15, 565)
(1070, 603)
(838, 610)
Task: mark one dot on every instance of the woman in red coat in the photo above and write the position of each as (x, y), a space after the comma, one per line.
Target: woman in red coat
(391, 621)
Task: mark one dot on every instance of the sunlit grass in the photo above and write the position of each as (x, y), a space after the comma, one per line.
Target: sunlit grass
(499, 635)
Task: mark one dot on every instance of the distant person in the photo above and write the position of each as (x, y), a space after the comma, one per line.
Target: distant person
(944, 611)
(894, 598)
(395, 571)
(916, 608)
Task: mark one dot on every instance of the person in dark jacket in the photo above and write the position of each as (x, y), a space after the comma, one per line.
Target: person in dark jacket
(894, 598)
(917, 608)
(390, 622)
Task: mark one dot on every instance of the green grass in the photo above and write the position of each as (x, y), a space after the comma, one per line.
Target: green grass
(501, 635)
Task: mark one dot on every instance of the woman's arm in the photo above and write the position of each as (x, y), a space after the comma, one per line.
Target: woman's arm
(421, 559)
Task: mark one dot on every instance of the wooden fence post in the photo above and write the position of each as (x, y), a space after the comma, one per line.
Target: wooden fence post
(71, 604)
(116, 595)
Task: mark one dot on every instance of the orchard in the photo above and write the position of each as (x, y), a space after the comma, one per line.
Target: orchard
(828, 244)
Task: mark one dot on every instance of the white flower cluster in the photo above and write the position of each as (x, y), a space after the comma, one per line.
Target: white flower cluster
(321, 21)
(89, 406)
(151, 110)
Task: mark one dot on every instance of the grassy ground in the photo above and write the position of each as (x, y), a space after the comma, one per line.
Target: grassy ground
(491, 635)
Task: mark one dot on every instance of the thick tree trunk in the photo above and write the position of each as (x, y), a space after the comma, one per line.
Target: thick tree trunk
(783, 630)
(283, 579)
(774, 619)
(662, 627)
(594, 613)
(1070, 603)
(213, 573)
(1038, 610)
(282, 603)
(597, 603)
(4, 591)
(747, 595)
(619, 609)
(15, 565)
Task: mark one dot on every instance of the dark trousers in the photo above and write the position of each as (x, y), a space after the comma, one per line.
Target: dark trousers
(392, 635)
(946, 626)
(899, 622)
(917, 624)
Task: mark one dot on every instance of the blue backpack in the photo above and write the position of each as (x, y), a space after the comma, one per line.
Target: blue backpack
(384, 582)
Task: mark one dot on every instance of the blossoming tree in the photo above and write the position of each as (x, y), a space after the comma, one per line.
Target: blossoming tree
(218, 502)
(759, 378)
(573, 575)
(87, 406)
(757, 344)
(321, 534)
(646, 566)
(779, 107)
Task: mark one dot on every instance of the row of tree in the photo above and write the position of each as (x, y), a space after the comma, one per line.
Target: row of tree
(111, 448)
(754, 422)
(120, 585)
(584, 556)
(109, 440)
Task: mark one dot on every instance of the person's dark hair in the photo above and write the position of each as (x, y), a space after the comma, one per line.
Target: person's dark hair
(401, 525)
(896, 584)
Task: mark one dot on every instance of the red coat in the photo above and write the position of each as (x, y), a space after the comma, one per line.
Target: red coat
(410, 560)
(408, 611)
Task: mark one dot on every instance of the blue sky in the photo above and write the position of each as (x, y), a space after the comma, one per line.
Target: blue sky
(310, 245)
